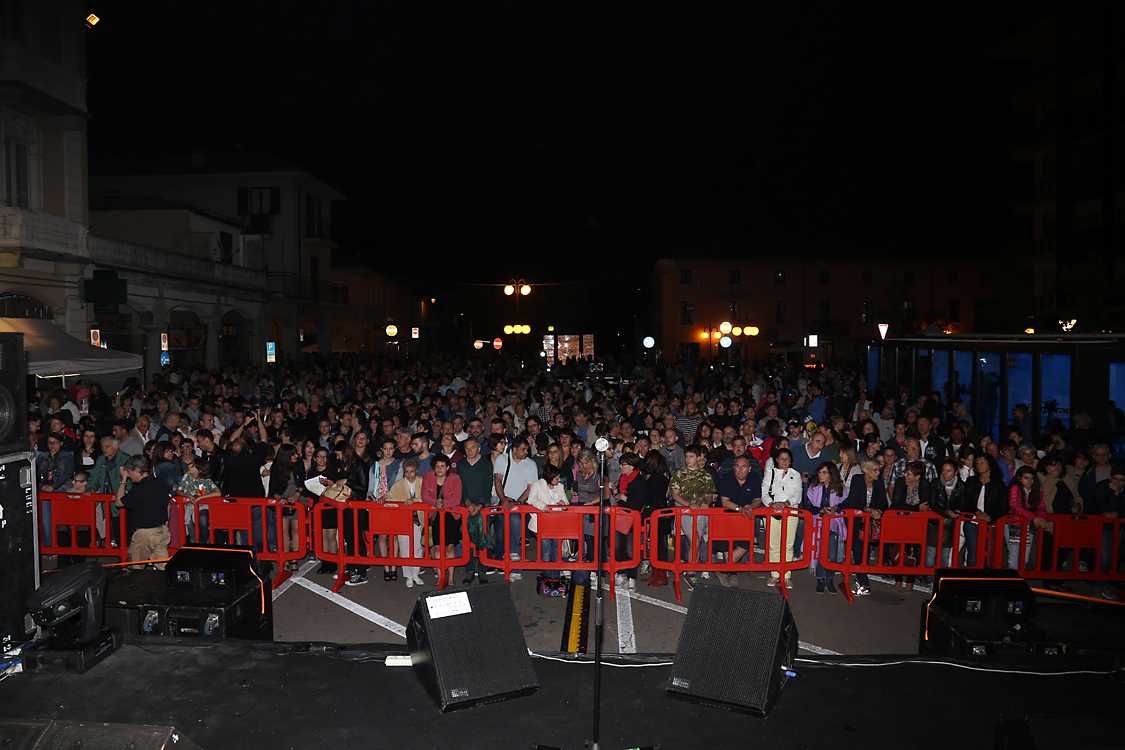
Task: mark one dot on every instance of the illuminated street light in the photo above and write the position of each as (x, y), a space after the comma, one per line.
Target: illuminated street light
(509, 290)
(751, 330)
(507, 330)
(736, 331)
(525, 289)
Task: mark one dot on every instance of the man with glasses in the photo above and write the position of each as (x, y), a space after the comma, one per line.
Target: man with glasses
(1089, 481)
(1108, 499)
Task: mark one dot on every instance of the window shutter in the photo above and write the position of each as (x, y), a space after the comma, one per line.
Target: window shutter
(275, 201)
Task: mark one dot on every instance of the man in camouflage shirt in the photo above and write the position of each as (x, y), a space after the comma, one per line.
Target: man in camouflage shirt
(693, 487)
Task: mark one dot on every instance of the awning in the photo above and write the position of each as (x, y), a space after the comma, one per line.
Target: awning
(51, 351)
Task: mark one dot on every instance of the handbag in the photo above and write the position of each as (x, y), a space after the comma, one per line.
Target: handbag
(338, 493)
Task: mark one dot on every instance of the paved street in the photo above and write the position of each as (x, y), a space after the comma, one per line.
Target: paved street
(647, 621)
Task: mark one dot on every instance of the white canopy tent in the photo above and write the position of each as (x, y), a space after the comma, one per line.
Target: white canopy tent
(52, 352)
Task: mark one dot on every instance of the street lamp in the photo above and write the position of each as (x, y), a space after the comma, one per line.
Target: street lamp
(517, 288)
(713, 334)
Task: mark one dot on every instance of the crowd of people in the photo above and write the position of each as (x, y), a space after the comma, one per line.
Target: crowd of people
(477, 433)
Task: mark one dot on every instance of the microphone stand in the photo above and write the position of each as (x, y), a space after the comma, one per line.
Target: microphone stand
(594, 743)
(598, 607)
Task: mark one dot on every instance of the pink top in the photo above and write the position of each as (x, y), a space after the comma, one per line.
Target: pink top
(1017, 503)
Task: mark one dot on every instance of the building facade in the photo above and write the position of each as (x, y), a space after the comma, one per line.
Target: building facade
(841, 299)
(286, 238)
(376, 302)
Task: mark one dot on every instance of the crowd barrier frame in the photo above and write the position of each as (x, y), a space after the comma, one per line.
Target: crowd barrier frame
(561, 523)
(74, 510)
(1082, 536)
(394, 519)
(726, 525)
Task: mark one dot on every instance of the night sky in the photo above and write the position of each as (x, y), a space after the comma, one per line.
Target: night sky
(560, 141)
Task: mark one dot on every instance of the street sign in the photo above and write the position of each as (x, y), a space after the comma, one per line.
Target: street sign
(96, 336)
(164, 342)
(413, 333)
(165, 359)
(392, 331)
(271, 351)
(497, 343)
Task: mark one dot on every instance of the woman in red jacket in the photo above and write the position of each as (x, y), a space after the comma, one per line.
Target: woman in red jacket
(1025, 500)
(442, 489)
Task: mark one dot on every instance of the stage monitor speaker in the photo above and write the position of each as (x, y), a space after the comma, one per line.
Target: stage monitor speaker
(45, 734)
(1059, 733)
(989, 594)
(18, 552)
(13, 394)
(735, 649)
(467, 647)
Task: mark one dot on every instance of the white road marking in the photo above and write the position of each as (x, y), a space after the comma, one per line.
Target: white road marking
(291, 580)
(352, 607)
(626, 636)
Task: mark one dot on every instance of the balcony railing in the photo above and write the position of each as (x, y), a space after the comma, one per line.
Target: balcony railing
(36, 232)
(303, 288)
(318, 229)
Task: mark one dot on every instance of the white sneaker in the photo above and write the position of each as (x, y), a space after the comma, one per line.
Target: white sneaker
(620, 579)
(418, 581)
(773, 581)
(409, 583)
(514, 557)
(705, 574)
(789, 584)
(565, 574)
(646, 568)
(515, 576)
(632, 584)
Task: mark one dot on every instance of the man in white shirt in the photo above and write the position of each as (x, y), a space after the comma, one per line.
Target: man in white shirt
(513, 474)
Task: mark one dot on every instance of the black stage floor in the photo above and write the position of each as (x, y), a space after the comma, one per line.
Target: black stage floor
(244, 697)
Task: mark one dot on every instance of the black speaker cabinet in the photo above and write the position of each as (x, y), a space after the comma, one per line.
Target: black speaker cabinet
(43, 734)
(990, 594)
(734, 650)
(19, 572)
(467, 647)
(13, 394)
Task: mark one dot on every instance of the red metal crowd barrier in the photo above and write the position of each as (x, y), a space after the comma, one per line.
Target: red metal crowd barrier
(233, 518)
(1077, 548)
(733, 529)
(84, 516)
(372, 520)
(559, 523)
(1073, 547)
